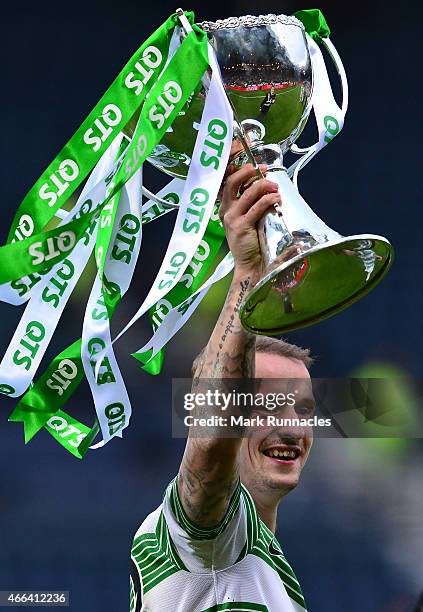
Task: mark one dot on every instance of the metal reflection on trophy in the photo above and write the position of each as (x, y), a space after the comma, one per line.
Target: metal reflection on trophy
(310, 272)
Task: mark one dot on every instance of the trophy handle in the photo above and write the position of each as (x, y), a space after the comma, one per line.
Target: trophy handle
(334, 55)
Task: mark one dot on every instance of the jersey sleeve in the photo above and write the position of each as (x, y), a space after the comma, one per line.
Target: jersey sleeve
(201, 549)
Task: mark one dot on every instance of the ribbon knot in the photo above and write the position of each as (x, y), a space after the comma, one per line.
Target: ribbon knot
(314, 22)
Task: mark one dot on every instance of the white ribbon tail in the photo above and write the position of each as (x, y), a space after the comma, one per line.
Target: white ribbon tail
(329, 115)
(176, 318)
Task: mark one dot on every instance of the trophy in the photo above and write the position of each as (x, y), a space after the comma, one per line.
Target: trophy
(272, 75)
(309, 271)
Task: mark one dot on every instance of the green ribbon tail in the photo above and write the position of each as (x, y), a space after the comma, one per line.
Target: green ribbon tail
(150, 365)
(40, 403)
(88, 440)
(32, 420)
(315, 23)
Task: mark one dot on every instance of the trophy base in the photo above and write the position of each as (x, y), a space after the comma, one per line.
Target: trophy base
(316, 284)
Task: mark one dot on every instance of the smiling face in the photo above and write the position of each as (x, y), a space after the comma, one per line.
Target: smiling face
(272, 457)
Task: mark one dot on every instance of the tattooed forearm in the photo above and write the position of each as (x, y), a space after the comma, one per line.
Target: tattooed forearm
(209, 472)
(230, 325)
(203, 494)
(231, 349)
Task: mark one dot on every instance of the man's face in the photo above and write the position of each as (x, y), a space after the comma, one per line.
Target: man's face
(272, 457)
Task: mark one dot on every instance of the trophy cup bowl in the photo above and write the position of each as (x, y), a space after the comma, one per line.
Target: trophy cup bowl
(253, 53)
(309, 271)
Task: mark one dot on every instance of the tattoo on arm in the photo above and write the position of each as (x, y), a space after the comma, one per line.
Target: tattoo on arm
(205, 498)
(237, 359)
(209, 472)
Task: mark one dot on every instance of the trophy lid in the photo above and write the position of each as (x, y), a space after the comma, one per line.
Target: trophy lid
(249, 21)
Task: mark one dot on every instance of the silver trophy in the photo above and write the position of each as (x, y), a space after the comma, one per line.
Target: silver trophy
(310, 272)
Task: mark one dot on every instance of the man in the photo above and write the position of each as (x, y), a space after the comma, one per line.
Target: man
(210, 546)
(268, 101)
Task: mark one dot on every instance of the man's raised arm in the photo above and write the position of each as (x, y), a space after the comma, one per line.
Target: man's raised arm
(209, 471)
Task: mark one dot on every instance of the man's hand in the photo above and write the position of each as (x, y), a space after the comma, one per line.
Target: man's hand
(241, 215)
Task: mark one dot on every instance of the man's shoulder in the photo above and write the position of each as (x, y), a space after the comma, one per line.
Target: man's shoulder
(149, 524)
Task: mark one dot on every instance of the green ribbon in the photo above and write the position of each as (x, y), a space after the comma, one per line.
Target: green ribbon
(17, 258)
(41, 403)
(193, 53)
(315, 23)
(42, 400)
(40, 207)
(33, 254)
(70, 433)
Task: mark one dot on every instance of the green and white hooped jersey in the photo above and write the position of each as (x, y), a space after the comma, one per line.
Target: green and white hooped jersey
(236, 566)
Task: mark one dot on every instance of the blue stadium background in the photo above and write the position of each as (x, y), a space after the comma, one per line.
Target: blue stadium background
(353, 529)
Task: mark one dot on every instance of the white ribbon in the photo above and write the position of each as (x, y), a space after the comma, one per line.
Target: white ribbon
(176, 318)
(201, 179)
(329, 116)
(50, 295)
(111, 399)
(94, 190)
(197, 203)
(173, 191)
